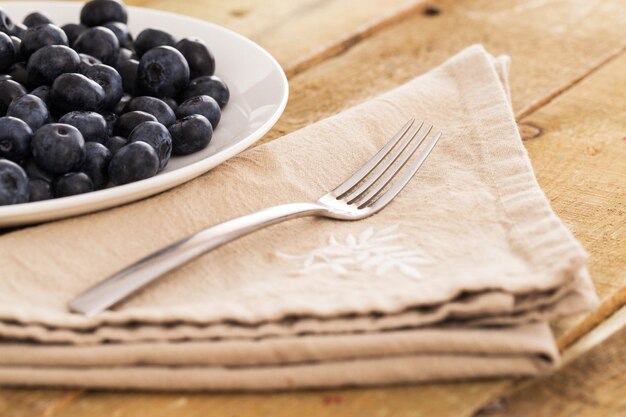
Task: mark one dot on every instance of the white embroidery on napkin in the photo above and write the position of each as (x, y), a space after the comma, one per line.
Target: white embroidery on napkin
(371, 251)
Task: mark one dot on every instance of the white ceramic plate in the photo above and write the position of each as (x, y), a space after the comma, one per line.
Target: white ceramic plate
(258, 89)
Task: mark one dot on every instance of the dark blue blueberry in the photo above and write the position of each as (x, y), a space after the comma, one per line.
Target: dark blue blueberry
(122, 33)
(58, 148)
(124, 55)
(19, 73)
(111, 82)
(6, 23)
(100, 43)
(99, 12)
(73, 31)
(73, 183)
(14, 187)
(15, 138)
(9, 89)
(17, 45)
(96, 165)
(87, 61)
(207, 86)
(151, 38)
(204, 105)
(43, 35)
(163, 72)
(47, 63)
(40, 190)
(76, 92)
(110, 118)
(128, 121)
(31, 109)
(34, 172)
(157, 136)
(43, 92)
(91, 125)
(19, 30)
(7, 52)
(121, 105)
(190, 134)
(135, 161)
(170, 102)
(128, 71)
(5, 77)
(158, 108)
(36, 19)
(200, 59)
(115, 143)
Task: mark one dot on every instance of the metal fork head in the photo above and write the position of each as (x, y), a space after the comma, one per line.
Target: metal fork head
(377, 182)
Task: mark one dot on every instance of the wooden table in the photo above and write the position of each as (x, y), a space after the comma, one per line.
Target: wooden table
(569, 94)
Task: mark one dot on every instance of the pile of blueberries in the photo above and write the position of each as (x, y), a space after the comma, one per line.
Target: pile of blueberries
(85, 106)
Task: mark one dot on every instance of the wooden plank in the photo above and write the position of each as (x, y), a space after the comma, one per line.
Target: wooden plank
(387, 59)
(298, 33)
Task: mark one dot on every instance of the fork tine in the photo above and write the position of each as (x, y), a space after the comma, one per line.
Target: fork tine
(388, 195)
(383, 167)
(377, 184)
(372, 163)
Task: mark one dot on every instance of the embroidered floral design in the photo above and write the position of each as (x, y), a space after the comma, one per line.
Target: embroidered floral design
(371, 251)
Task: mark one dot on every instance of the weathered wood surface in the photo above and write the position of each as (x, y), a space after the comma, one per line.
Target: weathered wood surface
(565, 83)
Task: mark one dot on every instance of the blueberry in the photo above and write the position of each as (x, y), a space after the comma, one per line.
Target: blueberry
(58, 148)
(87, 61)
(15, 138)
(47, 63)
(34, 172)
(5, 77)
(110, 118)
(121, 32)
(43, 35)
(151, 38)
(170, 102)
(73, 31)
(154, 106)
(115, 143)
(157, 136)
(111, 82)
(121, 105)
(163, 72)
(128, 71)
(76, 92)
(99, 12)
(200, 59)
(128, 121)
(190, 134)
(96, 165)
(17, 45)
(40, 190)
(207, 86)
(9, 90)
(135, 161)
(72, 184)
(43, 92)
(100, 43)
(124, 55)
(19, 30)
(18, 73)
(7, 52)
(14, 187)
(36, 19)
(31, 109)
(204, 105)
(6, 23)
(91, 125)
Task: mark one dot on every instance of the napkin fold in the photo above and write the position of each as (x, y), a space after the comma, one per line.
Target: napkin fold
(457, 278)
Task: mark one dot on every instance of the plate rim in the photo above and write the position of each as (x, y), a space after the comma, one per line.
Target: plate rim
(21, 214)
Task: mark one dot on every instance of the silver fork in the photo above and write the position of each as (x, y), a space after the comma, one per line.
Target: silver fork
(363, 194)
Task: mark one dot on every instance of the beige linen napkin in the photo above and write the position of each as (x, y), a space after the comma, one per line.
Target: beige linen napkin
(456, 278)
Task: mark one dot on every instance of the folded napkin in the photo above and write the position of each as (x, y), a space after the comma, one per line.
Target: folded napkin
(456, 278)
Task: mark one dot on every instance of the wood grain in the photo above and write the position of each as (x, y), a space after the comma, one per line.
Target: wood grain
(554, 44)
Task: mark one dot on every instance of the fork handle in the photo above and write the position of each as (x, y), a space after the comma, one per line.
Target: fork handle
(129, 280)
